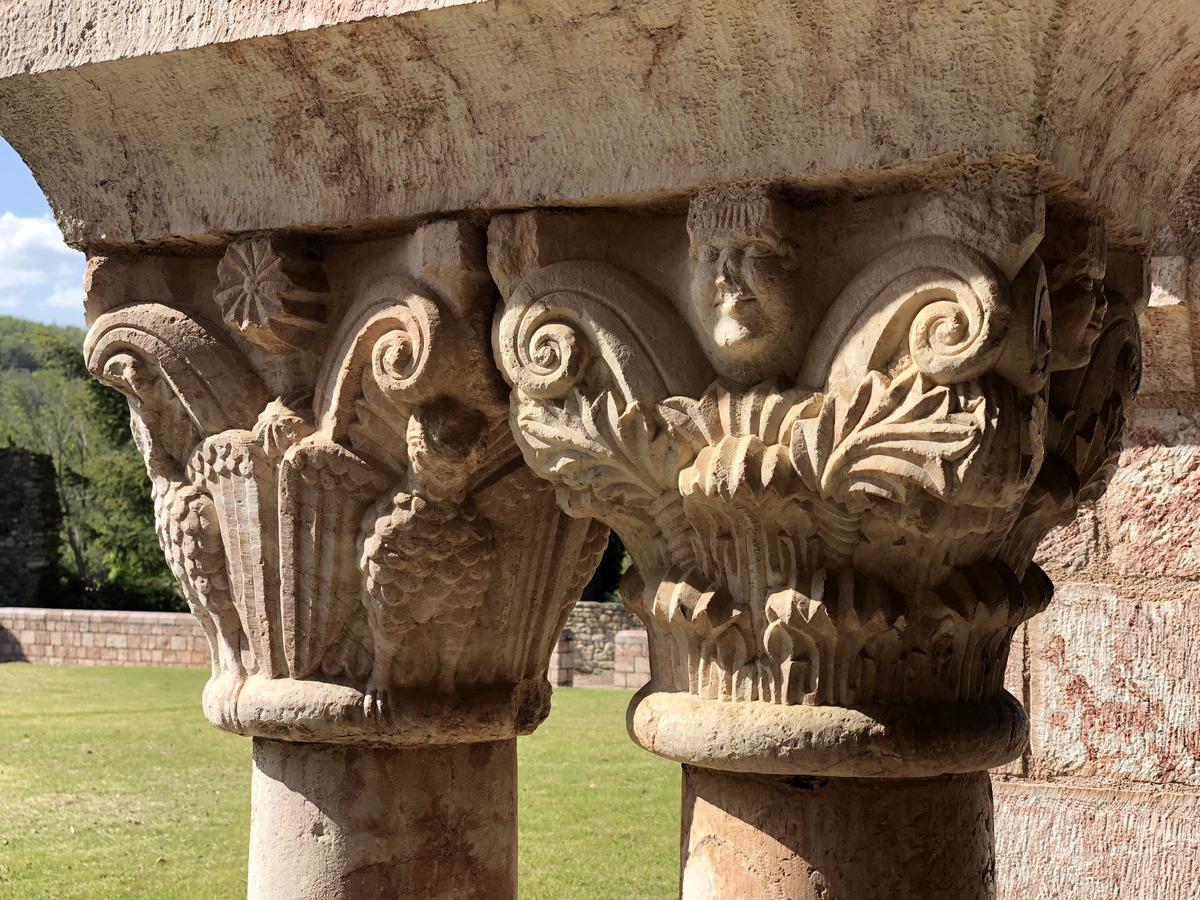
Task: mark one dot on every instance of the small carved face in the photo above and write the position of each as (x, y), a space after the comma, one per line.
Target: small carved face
(1078, 308)
(1025, 361)
(744, 290)
(1076, 257)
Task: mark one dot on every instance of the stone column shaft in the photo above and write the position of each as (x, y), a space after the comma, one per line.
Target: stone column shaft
(380, 580)
(831, 378)
(804, 838)
(346, 822)
(831, 435)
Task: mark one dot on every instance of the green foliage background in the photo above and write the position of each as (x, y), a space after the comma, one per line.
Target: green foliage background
(110, 558)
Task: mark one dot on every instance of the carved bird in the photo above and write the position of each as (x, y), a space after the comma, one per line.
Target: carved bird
(427, 556)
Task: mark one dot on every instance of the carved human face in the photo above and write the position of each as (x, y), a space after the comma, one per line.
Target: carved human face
(1078, 308)
(1076, 257)
(744, 290)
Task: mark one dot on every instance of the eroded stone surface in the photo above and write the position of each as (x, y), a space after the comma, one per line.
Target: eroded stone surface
(1145, 527)
(1108, 792)
(1115, 687)
(767, 838)
(351, 115)
(342, 500)
(1150, 520)
(360, 823)
(1056, 841)
(832, 537)
(821, 527)
(337, 489)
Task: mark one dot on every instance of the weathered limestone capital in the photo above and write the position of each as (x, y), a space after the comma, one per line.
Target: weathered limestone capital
(831, 437)
(337, 488)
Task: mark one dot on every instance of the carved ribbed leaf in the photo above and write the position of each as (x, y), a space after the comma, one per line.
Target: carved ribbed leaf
(888, 438)
(616, 454)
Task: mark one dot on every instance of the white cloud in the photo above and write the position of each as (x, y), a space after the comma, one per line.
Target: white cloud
(40, 276)
(67, 298)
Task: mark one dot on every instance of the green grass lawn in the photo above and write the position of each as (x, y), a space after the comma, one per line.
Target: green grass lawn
(113, 785)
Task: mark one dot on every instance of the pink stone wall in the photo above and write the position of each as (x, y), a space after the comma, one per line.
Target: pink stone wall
(78, 637)
(1106, 802)
(561, 672)
(632, 662)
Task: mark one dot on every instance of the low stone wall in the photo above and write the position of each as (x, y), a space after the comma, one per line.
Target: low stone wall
(632, 662)
(595, 626)
(83, 637)
(561, 672)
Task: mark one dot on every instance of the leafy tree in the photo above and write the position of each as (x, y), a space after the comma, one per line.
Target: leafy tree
(50, 404)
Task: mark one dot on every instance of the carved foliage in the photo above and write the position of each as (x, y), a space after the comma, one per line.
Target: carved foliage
(1089, 390)
(347, 542)
(842, 539)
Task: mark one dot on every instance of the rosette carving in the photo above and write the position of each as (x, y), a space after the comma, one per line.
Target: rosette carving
(847, 535)
(370, 560)
(273, 290)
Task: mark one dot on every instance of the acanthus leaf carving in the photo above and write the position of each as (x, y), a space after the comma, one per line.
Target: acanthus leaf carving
(837, 534)
(615, 454)
(888, 438)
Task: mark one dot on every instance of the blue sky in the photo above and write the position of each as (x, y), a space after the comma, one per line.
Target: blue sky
(40, 277)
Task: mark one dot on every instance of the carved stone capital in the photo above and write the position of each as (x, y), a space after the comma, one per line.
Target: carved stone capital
(337, 488)
(831, 438)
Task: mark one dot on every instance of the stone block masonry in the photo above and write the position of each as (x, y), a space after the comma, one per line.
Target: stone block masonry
(1088, 843)
(83, 637)
(454, 290)
(30, 519)
(632, 664)
(1106, 800)
(595, 626)
(561, 672)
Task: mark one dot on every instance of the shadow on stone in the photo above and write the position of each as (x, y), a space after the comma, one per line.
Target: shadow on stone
(10, 647)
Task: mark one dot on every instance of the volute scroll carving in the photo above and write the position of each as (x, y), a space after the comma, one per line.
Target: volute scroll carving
(935, 300)
(833, 525)
(370, 559)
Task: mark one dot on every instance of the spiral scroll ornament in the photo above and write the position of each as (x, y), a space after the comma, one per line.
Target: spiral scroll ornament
(950, 338)
(396, 358)
(933, 302)
(403, 355)
(584, 322)
(549, 351)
